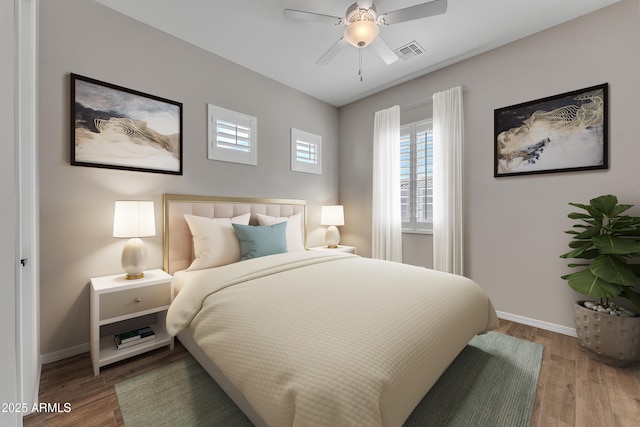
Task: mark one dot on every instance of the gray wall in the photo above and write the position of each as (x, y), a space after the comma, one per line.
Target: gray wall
(514, 226)
(76, 203)
(8, 211)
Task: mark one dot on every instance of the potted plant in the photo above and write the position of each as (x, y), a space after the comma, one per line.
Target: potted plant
(607, 243)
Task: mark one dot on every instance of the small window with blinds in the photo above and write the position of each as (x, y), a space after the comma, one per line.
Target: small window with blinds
(232, 136)
(416, 176)
(306, 152)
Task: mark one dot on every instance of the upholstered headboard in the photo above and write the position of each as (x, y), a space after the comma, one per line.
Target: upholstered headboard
(178, 242)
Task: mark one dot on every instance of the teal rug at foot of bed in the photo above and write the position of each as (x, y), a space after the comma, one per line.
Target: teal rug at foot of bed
(492, 382)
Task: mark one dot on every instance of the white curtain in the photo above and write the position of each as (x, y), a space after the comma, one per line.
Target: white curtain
(448, 138)
(387, 220)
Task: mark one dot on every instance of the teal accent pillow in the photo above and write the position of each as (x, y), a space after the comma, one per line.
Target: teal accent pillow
(261, 240)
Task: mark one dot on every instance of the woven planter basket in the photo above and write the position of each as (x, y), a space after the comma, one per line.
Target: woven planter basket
(612, 340)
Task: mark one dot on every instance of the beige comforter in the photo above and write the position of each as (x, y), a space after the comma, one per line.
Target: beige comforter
(315, 339)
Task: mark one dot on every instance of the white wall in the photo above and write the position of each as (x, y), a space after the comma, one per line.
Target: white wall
(514, 226)
(76, 203)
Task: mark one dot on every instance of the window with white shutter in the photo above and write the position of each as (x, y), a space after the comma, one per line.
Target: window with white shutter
(416, 176)
(232, 136)
(306, 152)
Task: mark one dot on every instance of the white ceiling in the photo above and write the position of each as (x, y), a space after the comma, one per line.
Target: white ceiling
(254, 34)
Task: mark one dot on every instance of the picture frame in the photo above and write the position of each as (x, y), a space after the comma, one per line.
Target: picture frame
(560, 133)
(118, 128)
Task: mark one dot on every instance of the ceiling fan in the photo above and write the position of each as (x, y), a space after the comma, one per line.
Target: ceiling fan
(363, 25)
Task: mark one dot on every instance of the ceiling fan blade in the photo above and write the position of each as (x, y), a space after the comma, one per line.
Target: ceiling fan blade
(333, 51)
(300, 15)
(384, 50)
(424, 10)
(365, 4)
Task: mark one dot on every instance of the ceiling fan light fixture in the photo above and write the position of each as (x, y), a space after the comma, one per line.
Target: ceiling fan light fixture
(361, 33)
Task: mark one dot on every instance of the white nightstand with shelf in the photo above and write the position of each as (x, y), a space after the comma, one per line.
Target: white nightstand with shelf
(115, 299)
(340, 248)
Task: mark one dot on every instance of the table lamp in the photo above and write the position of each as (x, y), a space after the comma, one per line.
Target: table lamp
(332, 216)
(134, 219)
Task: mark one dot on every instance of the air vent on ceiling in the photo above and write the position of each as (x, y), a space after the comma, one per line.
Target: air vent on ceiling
(409, 51)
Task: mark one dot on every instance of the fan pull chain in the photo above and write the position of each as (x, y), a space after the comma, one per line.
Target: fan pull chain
(360, 63)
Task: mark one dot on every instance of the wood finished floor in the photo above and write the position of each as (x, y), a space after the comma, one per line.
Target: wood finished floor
(573, 390)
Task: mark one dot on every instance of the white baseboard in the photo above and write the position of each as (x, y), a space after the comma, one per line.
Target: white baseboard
(565, 330)
(64, 353)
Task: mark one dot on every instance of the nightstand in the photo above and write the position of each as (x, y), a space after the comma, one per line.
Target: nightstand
(116, 304)
(340, 248)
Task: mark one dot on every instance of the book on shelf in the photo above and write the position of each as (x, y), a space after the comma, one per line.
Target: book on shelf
(134, 337)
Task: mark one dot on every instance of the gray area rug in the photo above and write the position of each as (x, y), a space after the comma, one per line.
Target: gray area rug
(491, 383)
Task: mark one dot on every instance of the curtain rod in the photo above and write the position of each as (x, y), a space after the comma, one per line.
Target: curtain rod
(423, 100)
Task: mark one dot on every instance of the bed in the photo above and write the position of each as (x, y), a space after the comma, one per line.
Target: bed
(300, 337)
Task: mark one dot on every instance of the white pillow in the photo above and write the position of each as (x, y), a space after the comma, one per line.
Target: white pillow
(214, 241)
(294, 229)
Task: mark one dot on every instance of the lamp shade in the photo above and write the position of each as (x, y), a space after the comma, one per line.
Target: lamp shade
(332, 215)
(362, 32)
(134, 218)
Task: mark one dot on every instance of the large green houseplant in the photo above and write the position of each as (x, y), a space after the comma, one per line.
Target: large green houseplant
(607, 244)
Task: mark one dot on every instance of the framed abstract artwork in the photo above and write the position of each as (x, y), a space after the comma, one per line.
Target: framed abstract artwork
(561, 133)
(118, 128)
